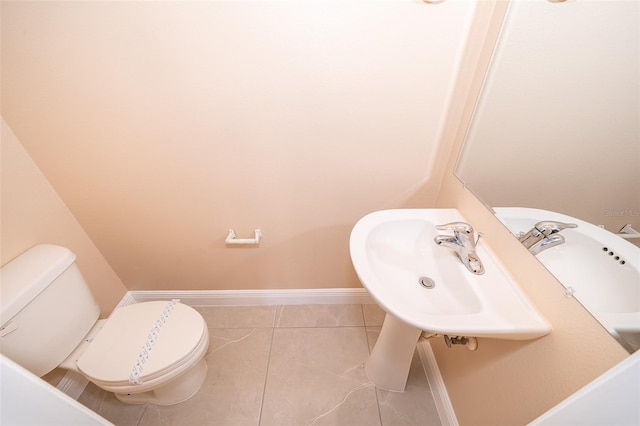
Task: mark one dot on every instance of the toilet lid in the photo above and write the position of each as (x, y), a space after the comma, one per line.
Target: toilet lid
(114, 352)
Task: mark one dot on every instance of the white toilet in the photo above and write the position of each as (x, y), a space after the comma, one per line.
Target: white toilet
(151, 352)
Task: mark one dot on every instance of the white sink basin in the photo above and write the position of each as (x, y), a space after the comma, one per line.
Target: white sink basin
(392, 249)
(606, 282)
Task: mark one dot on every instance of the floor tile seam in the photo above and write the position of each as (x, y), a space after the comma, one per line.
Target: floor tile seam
(266, 376)
(320, 326)
(375, 390)
(239, 328)
(277, 315)
(292, 326)
(139, 422)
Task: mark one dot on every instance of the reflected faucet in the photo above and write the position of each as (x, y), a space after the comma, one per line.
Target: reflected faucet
(463, 243)
(544, 235)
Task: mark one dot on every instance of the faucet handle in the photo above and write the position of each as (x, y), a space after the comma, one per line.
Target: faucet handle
(461, 227)
(548, 227)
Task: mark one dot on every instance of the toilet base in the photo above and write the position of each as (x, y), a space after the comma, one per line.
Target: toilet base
(173, 392)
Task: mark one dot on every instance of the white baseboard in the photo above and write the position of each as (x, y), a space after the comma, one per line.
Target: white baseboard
(438, 389)
(255, 297)
(128, 299)
(73, 384)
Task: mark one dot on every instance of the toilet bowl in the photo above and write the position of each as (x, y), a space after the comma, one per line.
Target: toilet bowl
(173, 369)
(151, 352)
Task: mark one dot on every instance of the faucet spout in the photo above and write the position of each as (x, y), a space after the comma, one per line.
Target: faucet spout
(473, 264)
(463, 243)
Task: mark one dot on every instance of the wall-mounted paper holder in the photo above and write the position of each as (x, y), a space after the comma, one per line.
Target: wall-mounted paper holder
(231, 238)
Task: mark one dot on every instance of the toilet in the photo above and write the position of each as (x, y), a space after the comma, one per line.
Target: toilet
(151, 352)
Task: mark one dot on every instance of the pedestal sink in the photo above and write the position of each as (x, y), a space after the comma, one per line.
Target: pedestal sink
(425, 287)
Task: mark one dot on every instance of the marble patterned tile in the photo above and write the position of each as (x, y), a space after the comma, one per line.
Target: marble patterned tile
(232, 393)
(373, 315)
(319, 316)
(413, 407)
(238, 316)
(316, 377)
(108, 406)
(313, 365)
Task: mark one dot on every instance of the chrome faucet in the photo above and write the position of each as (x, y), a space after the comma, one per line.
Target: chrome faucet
(463, 243)
(544, 235)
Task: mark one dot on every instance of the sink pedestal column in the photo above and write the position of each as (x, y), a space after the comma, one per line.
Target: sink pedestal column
(390, 360)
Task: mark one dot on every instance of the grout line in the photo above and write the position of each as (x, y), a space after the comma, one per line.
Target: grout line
(320, 326)
(375, 389)
(276, 316)
(266, 375)
(146, 406)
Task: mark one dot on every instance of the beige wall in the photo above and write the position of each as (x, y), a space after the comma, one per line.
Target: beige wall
(32, 213)
(164, 124)
(512, 382)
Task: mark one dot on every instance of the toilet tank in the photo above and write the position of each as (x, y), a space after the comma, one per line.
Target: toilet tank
(46, 308)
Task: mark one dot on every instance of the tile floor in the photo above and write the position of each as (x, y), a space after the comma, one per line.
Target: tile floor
(286, 365)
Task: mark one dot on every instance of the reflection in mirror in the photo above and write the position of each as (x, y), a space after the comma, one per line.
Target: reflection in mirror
(556, 131)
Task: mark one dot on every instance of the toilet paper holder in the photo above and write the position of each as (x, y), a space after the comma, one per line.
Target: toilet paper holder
(232, 239)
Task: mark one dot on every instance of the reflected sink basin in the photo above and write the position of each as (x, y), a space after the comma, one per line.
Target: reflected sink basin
(606, 282)
(392, 250)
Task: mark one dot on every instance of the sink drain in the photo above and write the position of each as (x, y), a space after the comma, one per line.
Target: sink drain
(427, 282)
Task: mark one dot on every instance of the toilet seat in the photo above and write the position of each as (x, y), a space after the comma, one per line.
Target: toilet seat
(111, 355)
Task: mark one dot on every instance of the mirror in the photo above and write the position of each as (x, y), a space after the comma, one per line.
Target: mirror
(557, 125)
